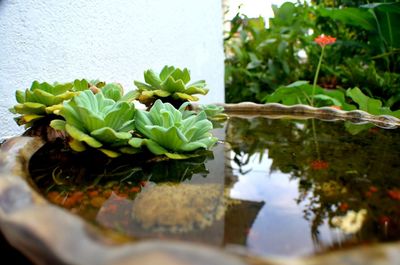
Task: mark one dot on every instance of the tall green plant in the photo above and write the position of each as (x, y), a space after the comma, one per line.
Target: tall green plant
(260, 59)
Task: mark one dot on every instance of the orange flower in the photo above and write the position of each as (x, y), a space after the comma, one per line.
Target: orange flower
(373, 189)
(394, 194)
(343, 207)
(319, 164)
(323, 40)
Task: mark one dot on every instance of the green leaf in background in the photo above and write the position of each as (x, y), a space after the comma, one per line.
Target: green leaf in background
(113, 91)
(81, 85)
(285, 12)
(364, 102)
(387, 19)
(214, 112)
(262, 57)
(300, 92)
(351, 16)
(370, 105)
(356, 128)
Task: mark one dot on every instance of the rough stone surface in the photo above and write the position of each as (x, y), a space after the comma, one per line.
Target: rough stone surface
(108, 40)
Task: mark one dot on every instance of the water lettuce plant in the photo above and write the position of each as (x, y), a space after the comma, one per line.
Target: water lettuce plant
(44, 100)
(167, 132)
(39, 101)
(171, 85)
(214, 112)
(98, 121)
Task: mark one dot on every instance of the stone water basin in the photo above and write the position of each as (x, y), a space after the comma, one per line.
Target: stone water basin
(276, 189)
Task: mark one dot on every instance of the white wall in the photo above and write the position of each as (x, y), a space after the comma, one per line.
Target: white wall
(111, 40)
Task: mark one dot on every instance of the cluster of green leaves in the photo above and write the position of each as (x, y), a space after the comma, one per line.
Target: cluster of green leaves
(44, 99)
(98, 115)
(171, 85)
(168, 132)
(109, 122)
(98, 121)
(261, 60)
(214, 112)
(301, 92)
(375, 68)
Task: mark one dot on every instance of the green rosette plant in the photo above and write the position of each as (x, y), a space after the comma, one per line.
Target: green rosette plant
(168, 132)
(171, 85)
(44, 100)
(39, 101)
(214, 112)
(97, 121)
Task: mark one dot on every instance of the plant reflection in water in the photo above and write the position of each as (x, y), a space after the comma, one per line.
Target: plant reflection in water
(347, 184)
(292, 187)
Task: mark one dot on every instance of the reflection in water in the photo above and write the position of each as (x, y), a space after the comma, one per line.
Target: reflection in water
(281, 187)
(323, 187)
(279, 227)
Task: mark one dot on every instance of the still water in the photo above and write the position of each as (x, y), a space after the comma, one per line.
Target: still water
(271, 187)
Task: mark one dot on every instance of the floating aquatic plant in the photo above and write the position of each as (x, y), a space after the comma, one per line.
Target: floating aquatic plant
(214, 112)
(171, 85)
(44, 100)
(167, 132)
(97, 121)
(115, 92)
(39, 101)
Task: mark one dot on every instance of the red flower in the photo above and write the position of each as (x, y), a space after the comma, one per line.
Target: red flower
(394, 194)
(134, 189)
(373, 189)
(319, 165)
(343, 207)
(323, 40)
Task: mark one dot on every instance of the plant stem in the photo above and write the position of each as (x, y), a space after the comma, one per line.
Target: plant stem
(315, 139)
(316, 75)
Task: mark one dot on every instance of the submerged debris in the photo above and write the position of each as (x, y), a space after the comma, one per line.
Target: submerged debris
(179, 208)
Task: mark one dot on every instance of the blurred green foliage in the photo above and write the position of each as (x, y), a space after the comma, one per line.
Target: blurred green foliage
(261, 59)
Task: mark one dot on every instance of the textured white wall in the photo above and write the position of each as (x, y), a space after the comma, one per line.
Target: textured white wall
(111, 40)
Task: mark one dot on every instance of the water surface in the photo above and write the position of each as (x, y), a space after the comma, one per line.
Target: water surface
(273, 187)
